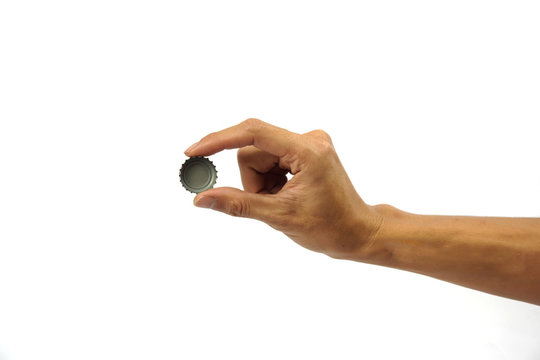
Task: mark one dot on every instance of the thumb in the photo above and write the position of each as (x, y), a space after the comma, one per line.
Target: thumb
(236, 202)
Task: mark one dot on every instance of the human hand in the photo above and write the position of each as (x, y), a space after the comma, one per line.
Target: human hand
(318, 207)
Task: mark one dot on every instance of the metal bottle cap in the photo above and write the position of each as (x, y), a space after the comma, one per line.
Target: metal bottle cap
(198, 174)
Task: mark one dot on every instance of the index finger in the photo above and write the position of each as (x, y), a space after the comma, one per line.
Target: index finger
(269, 138)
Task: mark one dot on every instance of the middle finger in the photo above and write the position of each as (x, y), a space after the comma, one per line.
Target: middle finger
(255, 165)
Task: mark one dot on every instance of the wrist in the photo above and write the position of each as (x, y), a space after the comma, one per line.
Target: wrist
(374, 249)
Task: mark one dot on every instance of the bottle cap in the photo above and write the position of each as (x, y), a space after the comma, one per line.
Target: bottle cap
(198, 174)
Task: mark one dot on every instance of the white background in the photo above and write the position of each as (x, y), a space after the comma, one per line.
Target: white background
(432, 106)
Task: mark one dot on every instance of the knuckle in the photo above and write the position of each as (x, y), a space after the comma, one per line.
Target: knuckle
(238, 208)
(242, 154)
(252, 123)
(318, 144)
(323, 135)
(326, 147)
(321, 148)
(247, 154)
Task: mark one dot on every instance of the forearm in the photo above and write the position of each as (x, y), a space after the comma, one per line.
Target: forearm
(496, 255)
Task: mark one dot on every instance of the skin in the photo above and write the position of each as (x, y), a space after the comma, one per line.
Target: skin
(319, 209)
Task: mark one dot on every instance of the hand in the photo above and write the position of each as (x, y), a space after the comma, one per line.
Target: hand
(318, 207)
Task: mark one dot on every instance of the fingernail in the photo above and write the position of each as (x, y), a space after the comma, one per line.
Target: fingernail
(205, 202)
(191, 147)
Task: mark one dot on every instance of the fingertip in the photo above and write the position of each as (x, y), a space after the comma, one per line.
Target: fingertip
(202, 194)
(204, 202)
(189, 150)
